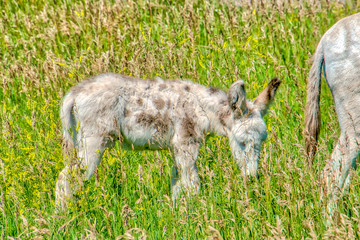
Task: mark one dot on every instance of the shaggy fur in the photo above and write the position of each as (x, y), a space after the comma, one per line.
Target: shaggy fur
(156, 115)
(338, 55)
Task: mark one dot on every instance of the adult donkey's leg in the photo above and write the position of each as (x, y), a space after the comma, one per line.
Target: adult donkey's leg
(185, 176)
(90, 151)
(336, 174)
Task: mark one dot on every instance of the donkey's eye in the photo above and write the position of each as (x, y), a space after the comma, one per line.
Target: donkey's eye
(242, 144)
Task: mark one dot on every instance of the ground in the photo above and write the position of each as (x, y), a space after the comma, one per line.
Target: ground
(46, 48)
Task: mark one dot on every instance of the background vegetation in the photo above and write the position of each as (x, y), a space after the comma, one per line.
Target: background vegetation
(48, 46)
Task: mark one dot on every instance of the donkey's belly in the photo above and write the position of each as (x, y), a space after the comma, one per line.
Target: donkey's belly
(145, 139)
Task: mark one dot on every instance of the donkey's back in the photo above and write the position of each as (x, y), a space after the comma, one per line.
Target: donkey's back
(144, 114)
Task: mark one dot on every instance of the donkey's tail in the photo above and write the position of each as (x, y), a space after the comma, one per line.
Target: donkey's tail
(312, 110)
(68, 123)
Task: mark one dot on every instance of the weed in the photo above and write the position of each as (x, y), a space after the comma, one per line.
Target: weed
(48, 46)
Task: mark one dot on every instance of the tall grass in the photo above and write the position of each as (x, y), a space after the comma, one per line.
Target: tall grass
(48, 46)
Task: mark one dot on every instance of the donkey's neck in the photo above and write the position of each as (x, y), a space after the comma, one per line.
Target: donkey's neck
(215, 104)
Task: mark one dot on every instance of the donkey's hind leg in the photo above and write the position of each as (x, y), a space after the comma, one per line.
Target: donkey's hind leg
(336, 174)
(90, 151)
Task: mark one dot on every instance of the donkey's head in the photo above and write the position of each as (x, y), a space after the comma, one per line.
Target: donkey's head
(249, 129)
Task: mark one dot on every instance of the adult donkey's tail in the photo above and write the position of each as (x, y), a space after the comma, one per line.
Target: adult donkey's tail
(312, 111)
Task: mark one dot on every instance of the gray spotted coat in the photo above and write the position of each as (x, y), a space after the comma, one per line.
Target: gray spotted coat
(155, 114)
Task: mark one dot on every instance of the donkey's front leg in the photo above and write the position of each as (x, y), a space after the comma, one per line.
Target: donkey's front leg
(185, 176)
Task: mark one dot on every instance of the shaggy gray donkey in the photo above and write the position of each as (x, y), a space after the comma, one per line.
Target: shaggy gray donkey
(338, 56)
(156, 114)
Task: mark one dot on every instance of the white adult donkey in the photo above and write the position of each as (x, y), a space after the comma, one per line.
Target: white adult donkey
(157, 114)
(338, 55)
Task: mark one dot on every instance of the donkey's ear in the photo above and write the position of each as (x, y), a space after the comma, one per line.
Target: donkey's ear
(237, 97)
(263, 101)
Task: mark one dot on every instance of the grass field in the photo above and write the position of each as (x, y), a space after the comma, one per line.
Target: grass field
(48, 46)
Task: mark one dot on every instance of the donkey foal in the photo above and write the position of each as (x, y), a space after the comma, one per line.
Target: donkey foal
(155, 115)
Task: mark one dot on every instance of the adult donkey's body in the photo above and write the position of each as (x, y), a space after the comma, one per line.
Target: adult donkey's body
(338, 55)
(156, 114)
